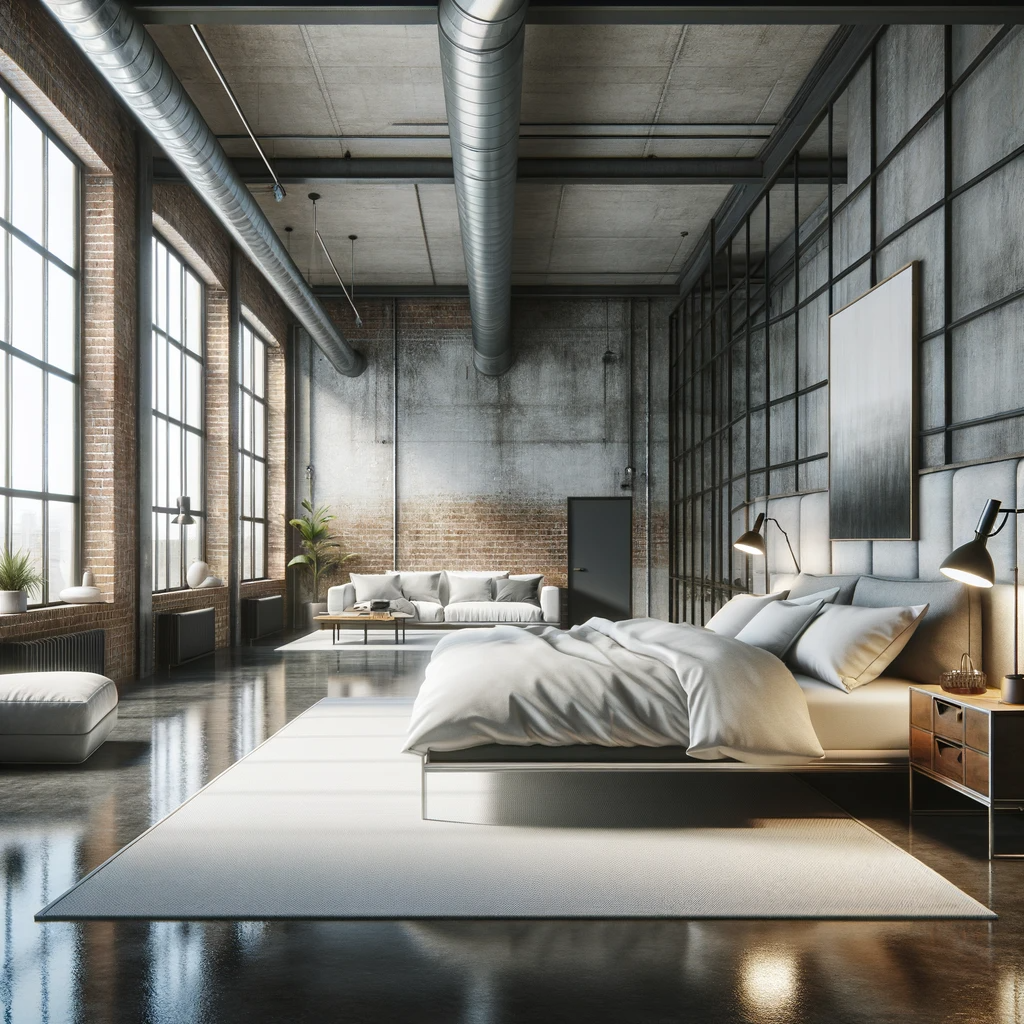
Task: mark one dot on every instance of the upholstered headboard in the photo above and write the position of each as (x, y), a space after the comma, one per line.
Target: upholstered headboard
(949, 505)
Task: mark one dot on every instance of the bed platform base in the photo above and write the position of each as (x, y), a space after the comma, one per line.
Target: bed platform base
(495, 785)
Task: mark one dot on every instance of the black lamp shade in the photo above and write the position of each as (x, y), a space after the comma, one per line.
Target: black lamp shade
(971, 564)
(752, 542)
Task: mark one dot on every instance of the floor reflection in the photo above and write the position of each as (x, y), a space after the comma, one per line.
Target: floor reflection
(182, 729)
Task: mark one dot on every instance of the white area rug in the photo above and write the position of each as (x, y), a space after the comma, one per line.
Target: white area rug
(323, 821)
(379, 640)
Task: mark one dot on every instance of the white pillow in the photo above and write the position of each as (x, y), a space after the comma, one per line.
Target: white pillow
(421, 586)
(469, 588)
(383, 587)
(849, 645)
(734, 615)
(777, 625)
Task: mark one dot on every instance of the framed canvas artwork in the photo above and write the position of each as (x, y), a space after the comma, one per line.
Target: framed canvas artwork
(873, 413)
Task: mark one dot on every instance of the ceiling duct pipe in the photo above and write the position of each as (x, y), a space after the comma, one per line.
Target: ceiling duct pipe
(482, 65)
(118, 45)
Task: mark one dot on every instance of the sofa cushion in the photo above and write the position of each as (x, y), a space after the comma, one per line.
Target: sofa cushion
(428, 611)
(511, 590)
(421, 586)
(492, 611)
(469, 588)
(383, 587)
(446, 578)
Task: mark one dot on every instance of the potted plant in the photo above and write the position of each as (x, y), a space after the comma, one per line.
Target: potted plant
(320, 551)
(18, 576)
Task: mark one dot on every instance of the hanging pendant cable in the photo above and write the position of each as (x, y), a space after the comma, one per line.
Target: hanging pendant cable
(352, 239)
(279, 192)
(314, 196)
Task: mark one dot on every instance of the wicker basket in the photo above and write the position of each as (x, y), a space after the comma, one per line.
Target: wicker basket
(965, 681)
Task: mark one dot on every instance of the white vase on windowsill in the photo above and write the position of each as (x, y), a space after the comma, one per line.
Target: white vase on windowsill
(87, 593)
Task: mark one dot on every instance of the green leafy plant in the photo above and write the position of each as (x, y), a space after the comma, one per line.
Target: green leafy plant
(320, 551)
(18, 572)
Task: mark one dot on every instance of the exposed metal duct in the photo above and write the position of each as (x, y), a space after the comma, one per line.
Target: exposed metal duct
(482, 65)
(117, 43)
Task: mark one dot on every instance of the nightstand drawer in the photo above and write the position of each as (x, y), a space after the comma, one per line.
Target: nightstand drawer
(921, 747)
(921, 709)
(976, 771)
(976, 729)
(949, 720)
(948, 759)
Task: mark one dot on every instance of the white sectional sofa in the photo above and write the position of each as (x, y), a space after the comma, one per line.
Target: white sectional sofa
(444, 610)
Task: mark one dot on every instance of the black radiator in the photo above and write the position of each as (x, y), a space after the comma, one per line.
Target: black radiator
(184, 636)
(263, 616)
(72, 652)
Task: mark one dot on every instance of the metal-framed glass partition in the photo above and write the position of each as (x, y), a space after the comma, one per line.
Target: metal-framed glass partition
(916, 165)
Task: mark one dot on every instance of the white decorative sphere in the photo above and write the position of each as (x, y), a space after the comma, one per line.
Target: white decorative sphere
(196, 573)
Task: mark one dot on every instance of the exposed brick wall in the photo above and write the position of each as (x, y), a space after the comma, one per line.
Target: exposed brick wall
(199, 238)
(46, 69)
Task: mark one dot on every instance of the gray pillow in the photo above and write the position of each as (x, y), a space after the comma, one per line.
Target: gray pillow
(524, 591)
(806, 584)
(776, 626)
(735, 614)
(824, 596)
(468, 588)
(376, 588)
(849, 646)
(421, 586)
(951, 627)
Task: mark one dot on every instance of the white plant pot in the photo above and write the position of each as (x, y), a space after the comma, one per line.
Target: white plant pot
(314, 608)
(13, 601)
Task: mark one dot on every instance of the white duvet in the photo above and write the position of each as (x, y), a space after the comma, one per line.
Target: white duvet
(642, 682)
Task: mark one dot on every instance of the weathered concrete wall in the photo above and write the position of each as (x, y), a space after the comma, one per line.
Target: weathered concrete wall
(485, 465)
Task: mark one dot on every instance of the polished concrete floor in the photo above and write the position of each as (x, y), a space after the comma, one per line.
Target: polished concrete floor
(178, 730)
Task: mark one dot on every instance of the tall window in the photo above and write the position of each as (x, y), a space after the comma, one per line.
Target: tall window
(39, 303)
(178, 423)
(252, 459)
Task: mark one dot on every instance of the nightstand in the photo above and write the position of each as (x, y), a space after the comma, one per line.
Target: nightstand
(973, 745)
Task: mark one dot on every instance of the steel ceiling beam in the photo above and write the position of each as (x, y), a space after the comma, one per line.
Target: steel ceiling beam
(557, 171)
(591, 12)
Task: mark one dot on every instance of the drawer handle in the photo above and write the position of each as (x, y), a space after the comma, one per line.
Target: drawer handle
(942, 710)
(942, 747)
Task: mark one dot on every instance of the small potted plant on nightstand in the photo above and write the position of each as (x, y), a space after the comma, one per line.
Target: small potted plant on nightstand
(18, 577)
(320, 552)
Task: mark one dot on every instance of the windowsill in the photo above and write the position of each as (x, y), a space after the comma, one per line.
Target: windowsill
(34, 611)
(187, 590)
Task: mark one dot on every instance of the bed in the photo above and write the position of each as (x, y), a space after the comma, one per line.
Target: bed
(862, 730)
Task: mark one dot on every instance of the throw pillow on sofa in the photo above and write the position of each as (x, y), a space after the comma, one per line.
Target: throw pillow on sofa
(468, 588)
(376, 588)
(421, 586)
(524, 591)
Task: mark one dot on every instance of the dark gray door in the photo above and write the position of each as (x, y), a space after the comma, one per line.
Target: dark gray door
(600, 558)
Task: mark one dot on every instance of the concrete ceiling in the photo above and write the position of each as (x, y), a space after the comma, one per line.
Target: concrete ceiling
(601, 90)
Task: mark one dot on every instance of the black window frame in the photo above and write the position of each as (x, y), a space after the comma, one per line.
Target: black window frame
(198, 509)
(9, 352)
(247, 397)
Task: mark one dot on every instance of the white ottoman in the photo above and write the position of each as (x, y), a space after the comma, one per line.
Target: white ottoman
(54, 716)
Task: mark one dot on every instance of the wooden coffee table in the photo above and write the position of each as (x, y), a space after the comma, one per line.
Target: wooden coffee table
(395, 621)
